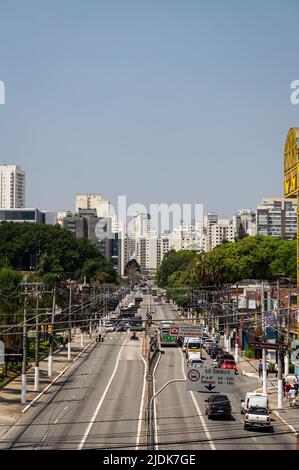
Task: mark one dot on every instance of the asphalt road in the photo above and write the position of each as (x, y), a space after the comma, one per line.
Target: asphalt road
(181, 422)
(99, 404)
(96, 405)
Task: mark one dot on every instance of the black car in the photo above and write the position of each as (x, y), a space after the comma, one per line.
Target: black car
(222, 358)
(215, 351)
(218, 405)
(223, 355)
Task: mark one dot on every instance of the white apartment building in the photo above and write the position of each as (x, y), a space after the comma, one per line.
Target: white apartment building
(152, 249)
(189, 237)
(246, 219)
(210, 219)
(12, 187)
(222, 231)
(93, 201)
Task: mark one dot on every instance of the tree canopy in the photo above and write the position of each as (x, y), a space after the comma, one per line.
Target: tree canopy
(49, 249)
(258, 257)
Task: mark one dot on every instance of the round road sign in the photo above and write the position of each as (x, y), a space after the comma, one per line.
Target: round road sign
(193, 375)
(149, 377)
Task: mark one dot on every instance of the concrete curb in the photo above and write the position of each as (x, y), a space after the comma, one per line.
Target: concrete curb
(56, 378)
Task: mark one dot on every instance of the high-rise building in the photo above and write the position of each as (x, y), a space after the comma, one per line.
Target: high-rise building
(244, 222)
(12, 187)
(209, 220)
(221, 232)
(276, 217)
(93, 201)
(189, 237)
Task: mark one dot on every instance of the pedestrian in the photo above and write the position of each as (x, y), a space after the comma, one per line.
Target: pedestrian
(276, 369)
(288, 387)
(260, 367)
(267, 367)
(292, 396)
(296, 385)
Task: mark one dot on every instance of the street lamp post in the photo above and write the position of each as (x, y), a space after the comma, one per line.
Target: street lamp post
(152, 443)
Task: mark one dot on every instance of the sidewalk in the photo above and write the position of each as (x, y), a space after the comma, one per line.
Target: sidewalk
(10, 395)
(288, 415)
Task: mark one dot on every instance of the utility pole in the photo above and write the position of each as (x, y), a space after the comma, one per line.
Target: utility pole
(264, 338)
(24, 363)
(51, 340)
(236, 320)
(286, 357)
(279, 353)
(36, 368)
(69, 347)
(227, 326)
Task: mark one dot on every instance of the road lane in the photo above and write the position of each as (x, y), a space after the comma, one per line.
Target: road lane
(224, 434)
(61, 421)
(178, 424)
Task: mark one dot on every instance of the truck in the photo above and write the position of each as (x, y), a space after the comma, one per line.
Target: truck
(253, 399)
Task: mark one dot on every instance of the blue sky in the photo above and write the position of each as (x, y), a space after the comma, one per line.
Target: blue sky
(163, 100)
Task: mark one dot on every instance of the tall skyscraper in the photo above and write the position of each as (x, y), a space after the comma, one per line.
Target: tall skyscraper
(12, 187)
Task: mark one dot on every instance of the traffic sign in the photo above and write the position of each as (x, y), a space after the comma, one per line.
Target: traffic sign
(265, 345)
(186, 330)
(211, 380)
(194, 375)
(149, 377)
(174, 330)
(295, 358)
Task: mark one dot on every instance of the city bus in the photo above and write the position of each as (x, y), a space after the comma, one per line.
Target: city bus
(166, 339)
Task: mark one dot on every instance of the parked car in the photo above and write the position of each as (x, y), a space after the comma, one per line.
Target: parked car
(213, 352)
(224, 356)
(228, 364)
(206, 342)
(109, 328)
(210, 346)
(121, 328)
(257, 417)
(218, 405)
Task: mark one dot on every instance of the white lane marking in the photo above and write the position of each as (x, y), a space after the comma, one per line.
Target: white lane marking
(155, 404)
(205, 428)
(141, 404)
(289, 425)
(82, 442)
(56, 420)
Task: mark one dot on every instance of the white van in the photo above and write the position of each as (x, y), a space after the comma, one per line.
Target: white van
(253, 399)
(186, 339)
(195, 359)
(193, 345)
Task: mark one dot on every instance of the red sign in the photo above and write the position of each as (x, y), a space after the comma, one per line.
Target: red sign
(193, 375)
(174, 330)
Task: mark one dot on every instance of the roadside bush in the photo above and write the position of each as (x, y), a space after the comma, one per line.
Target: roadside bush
(249, 353)
(291, 368)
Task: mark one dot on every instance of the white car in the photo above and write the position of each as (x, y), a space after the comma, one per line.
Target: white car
(257, 417)
(109, 328)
